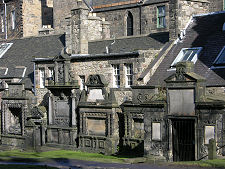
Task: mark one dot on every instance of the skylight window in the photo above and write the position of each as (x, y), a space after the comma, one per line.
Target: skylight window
(4, 47)
(220, 60)
(187, 54)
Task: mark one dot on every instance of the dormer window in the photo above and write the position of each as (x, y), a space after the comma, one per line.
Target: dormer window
(187, 54)
(4, 47)
(220, 60)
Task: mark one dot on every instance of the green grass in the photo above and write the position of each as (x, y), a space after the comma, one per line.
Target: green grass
(13, 166)
(217, 163)
(61, 154)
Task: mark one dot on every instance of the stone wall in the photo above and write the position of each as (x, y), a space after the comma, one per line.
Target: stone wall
(189, 8)
(32, 20)
(62, 10)
(13, 5)
(216, 5)
(104, 67)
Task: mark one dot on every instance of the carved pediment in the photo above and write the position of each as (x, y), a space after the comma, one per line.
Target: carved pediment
(96, 81)
(184, 73)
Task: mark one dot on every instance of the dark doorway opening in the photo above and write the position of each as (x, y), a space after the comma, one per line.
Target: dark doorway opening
(183, 137)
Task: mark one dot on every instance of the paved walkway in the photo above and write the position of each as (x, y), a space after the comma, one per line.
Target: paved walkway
(77, 164)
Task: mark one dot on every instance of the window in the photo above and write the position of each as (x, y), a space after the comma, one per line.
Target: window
(2, 23)
(161, 17)
(42, 77)
(129, 74)
(82, 82)
(4, 47)
(130, 24)
(187, 54)
(51, 73)
(116, 76)
(220, 60)
(13, 17)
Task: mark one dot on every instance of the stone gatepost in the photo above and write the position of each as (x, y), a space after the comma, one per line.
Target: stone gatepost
(212, 149)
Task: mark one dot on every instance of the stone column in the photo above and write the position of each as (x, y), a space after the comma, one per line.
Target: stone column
(56, 72)
(50, 109)
(79, 24)
(74, 106)
(66, 71)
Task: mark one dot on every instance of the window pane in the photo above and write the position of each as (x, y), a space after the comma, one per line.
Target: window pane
(221, 59)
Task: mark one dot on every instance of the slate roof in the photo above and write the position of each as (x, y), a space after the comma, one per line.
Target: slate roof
(104, 5)
(23, 51)
(205, 31)
(129, 44)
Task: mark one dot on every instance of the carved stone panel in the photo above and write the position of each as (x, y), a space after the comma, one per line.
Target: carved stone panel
(60, 73)
(96, 126)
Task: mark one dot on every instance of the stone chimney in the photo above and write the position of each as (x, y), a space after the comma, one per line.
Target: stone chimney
(79, 28)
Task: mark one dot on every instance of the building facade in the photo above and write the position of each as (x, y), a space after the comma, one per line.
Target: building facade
(156, 87)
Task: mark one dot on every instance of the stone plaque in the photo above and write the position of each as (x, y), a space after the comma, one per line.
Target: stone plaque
(63, 109)
(96, 127)
(209, 133)
(156, 131)
(181, 102)
(95, 94)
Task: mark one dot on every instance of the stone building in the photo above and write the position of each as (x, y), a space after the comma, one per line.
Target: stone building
(87, 91)
(22, 18)
(138, 17)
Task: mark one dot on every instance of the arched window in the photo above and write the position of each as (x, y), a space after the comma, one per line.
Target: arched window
(130, 24)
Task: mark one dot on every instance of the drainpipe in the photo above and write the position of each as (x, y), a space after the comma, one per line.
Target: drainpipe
(140, 3)
(34, 81)
(6, 33)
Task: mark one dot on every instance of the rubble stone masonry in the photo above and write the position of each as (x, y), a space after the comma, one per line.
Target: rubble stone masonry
(32, 20)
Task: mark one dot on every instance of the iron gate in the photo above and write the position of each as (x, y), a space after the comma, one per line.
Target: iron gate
(183, 137)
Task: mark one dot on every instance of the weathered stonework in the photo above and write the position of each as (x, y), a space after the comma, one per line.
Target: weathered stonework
(32, 20)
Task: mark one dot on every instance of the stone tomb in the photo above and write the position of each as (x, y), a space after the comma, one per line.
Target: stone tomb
(98, 118)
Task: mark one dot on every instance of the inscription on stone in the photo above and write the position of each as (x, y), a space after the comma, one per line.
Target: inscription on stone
(156, 131)
(63, 109)
(182, 102)
(96, 126)
(95, 94)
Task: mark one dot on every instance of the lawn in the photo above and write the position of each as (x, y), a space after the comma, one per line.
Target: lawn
(65, 154)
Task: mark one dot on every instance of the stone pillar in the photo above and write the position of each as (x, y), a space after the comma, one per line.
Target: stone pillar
(74, 106)
(50, 110)
(79, 24)
(68, 35)
(56, 72)
(212, 149)
(66, 70)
